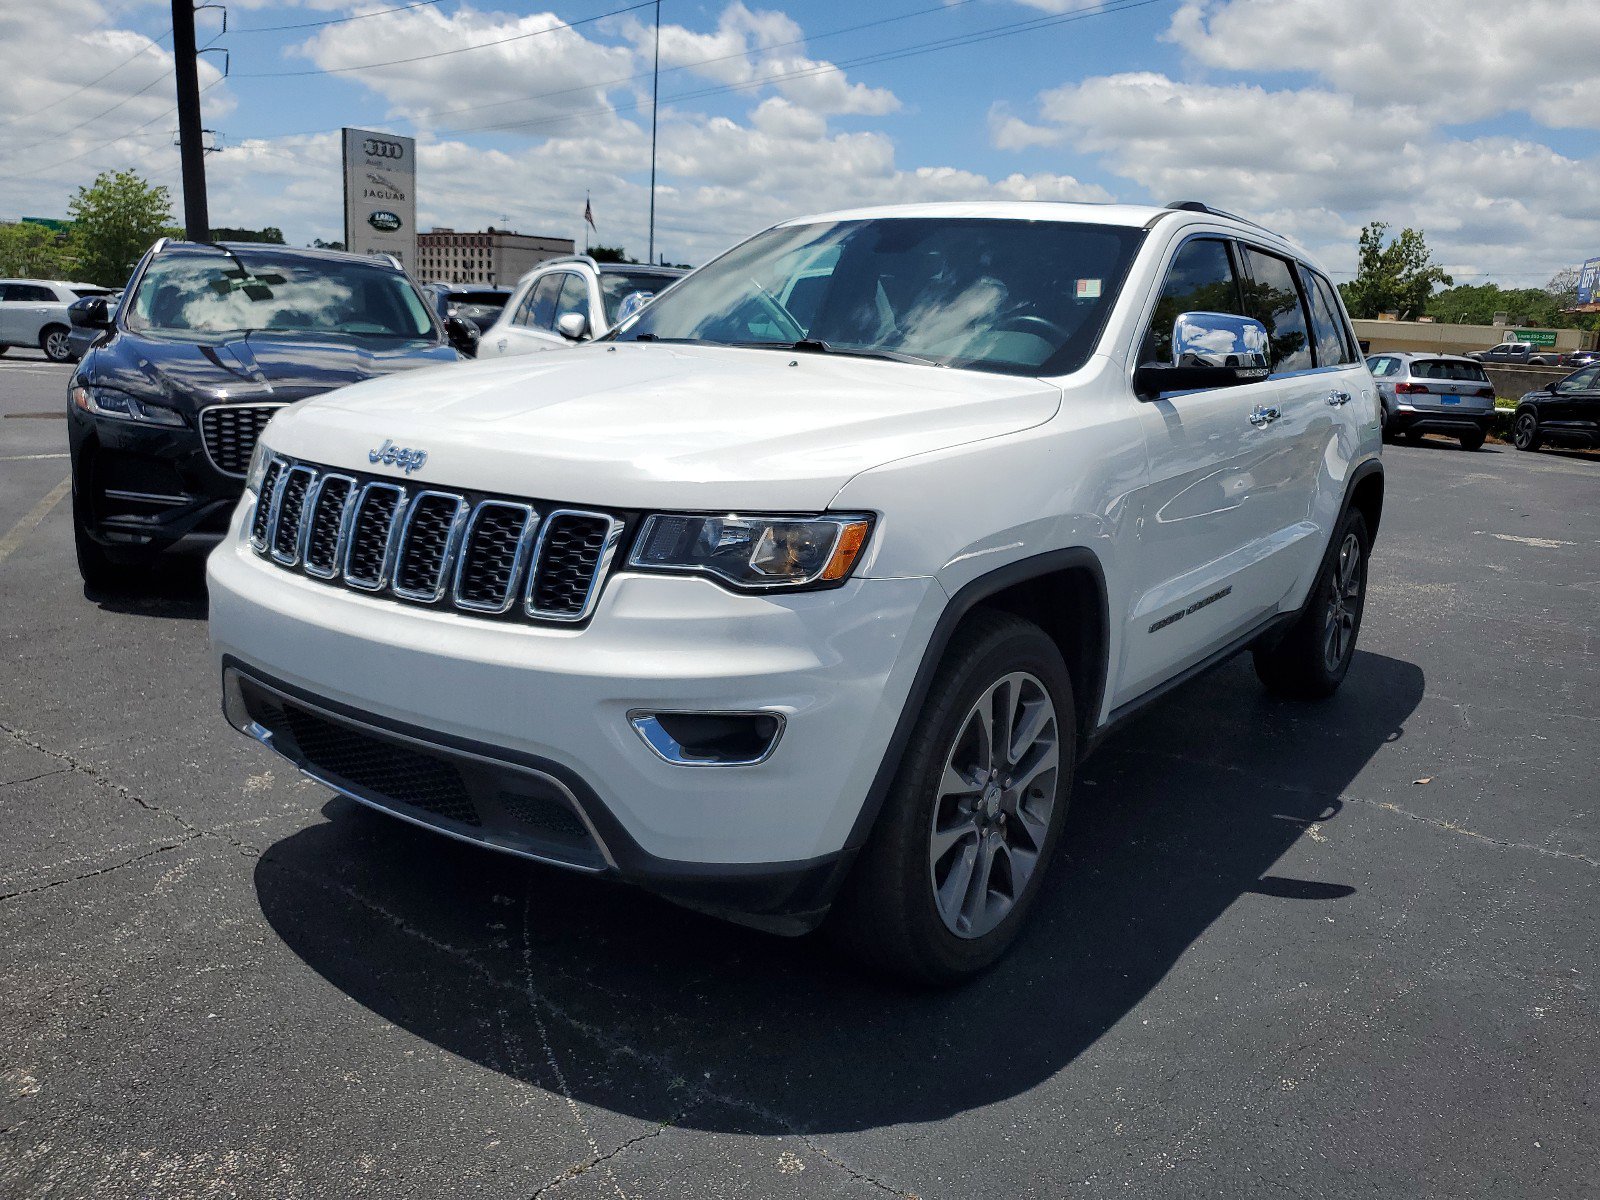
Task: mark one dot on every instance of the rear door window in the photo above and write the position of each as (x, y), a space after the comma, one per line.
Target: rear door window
(1200, 279)
(1381, 366)
(1272, 297)
(1334, 345)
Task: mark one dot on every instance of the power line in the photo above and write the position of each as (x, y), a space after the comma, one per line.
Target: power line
(143, 50)
(557, 28)
(382, 12)
(121, 137)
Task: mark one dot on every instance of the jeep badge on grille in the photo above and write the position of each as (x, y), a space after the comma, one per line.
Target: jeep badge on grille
(390, 455)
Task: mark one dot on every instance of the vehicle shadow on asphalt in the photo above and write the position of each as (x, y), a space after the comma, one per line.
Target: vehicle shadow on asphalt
(175, 589)
(668, 1016)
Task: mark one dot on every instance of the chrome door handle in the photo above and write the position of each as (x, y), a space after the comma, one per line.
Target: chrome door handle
(1338, 398)
(1264, 416)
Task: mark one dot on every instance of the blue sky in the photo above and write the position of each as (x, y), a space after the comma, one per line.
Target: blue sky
(1287, 110)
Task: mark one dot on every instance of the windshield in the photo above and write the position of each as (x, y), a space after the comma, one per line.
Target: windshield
(213, 291)
(1022, 297)
(615, 286)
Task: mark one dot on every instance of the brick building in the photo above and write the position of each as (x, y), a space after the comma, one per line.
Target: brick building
(494, 257)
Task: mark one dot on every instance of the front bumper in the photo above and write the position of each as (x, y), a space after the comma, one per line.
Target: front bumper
(147, 489)
(549, 708)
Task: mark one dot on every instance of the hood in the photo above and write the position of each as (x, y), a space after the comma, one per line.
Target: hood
(250, 367)
(626, 425)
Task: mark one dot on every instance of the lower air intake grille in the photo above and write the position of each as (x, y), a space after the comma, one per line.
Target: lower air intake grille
(384, 768)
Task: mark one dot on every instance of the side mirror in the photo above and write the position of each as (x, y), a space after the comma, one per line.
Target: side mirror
(572, 326)
(1209, 350)
(463, 335)
(90, 313)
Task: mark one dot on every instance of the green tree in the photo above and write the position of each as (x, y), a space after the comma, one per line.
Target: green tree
(1394, 276)
(319, 244)
(115, 220)
(610, 254)
(36, 252)
(230, 233)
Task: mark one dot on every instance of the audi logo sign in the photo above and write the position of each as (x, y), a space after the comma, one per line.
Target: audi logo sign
(380, 186)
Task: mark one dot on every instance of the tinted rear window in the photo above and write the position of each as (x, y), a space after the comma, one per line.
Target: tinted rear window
(1439, 368)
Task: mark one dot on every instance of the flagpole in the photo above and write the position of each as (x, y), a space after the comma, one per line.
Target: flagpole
(655, 95)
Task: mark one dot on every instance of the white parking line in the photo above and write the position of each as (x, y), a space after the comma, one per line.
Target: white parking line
(20, 531)
(30, 457)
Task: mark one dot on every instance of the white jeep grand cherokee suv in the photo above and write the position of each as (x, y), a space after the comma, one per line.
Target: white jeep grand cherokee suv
(810, 586)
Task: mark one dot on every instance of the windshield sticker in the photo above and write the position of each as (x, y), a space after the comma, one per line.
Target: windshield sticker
(1088, 289)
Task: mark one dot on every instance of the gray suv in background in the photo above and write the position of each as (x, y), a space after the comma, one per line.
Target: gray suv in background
(1433, 393)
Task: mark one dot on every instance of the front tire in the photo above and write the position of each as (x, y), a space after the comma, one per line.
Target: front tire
(961, 848)
(99, 572)
(55, 343)
(1311, 660)
(1525, 433)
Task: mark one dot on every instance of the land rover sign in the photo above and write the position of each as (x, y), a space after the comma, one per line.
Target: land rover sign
(380, 204)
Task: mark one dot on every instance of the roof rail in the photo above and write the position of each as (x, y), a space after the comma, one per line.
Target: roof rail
(565, 258)
(1201, 206)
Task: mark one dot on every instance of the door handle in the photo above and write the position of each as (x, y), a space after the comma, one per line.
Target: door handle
(1264, 416)
(1338, 398)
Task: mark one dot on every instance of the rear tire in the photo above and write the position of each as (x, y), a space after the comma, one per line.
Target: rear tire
(55, 343)
(1472, 441)
(1383, 423)
(971, 821)
(1311, 660)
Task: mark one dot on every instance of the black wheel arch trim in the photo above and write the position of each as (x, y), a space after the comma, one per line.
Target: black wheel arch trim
(963, 602)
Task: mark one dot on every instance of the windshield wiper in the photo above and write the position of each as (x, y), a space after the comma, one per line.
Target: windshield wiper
(818, 346)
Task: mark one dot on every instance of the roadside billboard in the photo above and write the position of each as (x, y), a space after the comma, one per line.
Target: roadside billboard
(1589, 282)
(1534, 337)
(380, 194)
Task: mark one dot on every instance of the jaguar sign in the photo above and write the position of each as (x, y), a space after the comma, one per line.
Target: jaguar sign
(380, 206)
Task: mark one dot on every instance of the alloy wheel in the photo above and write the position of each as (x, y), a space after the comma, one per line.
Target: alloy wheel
(56, 346)
(1523, 436)
(996, 795)
(1344, 603)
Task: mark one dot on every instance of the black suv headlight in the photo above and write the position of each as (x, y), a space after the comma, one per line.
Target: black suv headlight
(754, 553)
(124, 406)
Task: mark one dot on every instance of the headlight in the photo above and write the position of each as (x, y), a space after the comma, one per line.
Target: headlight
(754, 552)
(258, 467)
(108, 402)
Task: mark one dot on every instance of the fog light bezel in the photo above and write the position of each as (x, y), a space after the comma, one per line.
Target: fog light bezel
(646, 723)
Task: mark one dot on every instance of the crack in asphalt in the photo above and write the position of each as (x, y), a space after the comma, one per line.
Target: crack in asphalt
(137, 858)
(40, 775)
(1344, 797)
(573, 1172)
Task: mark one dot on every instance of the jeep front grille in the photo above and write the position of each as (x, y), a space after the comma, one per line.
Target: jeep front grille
(478, 554)
(229, 432)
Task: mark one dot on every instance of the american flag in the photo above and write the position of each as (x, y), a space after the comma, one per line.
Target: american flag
(588, 214)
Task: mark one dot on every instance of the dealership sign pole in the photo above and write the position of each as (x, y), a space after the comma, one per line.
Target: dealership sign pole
(380, 194)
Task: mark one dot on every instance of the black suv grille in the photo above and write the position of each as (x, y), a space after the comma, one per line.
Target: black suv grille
(478, 554)
(230, 432)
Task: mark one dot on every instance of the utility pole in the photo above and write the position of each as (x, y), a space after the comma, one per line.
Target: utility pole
(655, 96)
(191, 138)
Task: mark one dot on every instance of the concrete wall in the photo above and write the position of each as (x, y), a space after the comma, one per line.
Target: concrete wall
(1453, 339)
(1510, 383)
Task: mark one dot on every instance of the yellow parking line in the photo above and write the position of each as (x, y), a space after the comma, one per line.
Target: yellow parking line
(20, 531)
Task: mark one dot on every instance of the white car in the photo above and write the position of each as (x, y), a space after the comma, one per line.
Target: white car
(33, 312)
(777, 612)
(571, 300)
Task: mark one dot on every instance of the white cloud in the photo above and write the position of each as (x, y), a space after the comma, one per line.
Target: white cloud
(1459, 61)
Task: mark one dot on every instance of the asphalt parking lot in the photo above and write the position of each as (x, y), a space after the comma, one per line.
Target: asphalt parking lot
(1333, 950)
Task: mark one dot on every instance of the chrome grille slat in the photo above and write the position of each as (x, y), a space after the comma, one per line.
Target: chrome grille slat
(266, 499)
(332, 504)
(494, 549)
(370, 551)
(475, 554)
(432, 527)
(288, 510)
(571, 557)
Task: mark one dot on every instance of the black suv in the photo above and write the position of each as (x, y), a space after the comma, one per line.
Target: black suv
(207, 343)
